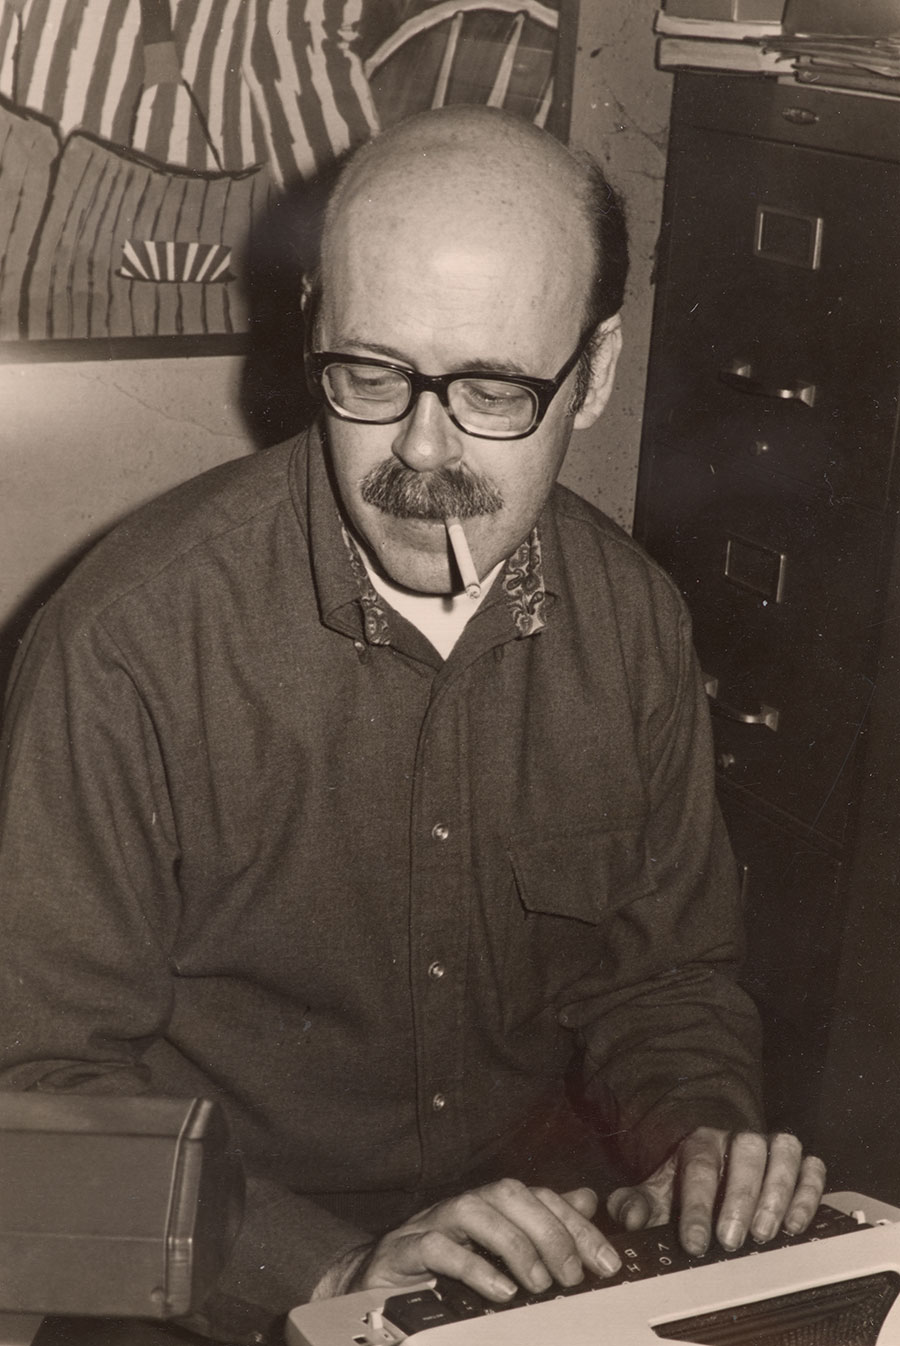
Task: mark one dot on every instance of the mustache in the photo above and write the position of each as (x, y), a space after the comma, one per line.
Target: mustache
(408, 494)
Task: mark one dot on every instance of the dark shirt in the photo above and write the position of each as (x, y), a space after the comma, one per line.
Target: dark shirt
(261, 844)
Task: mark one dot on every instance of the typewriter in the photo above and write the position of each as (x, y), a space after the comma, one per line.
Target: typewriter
(836, 1285)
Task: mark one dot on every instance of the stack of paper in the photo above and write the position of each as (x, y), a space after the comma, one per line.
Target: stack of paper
(849, 46)
(720, 35)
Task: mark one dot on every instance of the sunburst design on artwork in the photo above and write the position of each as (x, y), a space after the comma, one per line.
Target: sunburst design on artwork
(199, 263)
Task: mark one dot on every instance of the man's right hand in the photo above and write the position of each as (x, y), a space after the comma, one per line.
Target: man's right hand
(540, 1235)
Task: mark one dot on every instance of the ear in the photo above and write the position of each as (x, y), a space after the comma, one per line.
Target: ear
(603, 372)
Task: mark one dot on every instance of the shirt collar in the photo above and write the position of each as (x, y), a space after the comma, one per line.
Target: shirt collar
(521, 583)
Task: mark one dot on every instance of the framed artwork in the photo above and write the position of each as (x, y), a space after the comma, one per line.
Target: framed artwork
(144, 144)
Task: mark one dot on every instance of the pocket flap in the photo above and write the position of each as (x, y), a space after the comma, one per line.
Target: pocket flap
(586, 874)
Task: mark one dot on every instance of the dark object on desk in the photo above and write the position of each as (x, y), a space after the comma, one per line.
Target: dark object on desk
(114, 1206)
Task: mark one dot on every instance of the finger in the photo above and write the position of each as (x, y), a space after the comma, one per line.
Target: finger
(648, 1203)
(807, 1195)
(501, 1218)
(746, 1171)
(779, 1187)
(584, 1200)
(550, 1225)
(402, 1259)
(593, 1249)
(630, 1207)
(783, 1155)
(701, 1164)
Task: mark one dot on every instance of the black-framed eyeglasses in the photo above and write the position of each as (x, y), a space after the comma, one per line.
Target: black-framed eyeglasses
(478, 401)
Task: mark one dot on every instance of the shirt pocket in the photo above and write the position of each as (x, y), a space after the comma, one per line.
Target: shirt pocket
(586, 875)
(564, 892)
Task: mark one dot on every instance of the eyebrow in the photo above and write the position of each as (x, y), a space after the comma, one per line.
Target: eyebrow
(392, 353)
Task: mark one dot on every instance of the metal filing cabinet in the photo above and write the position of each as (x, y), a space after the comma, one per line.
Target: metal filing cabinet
(768, 489)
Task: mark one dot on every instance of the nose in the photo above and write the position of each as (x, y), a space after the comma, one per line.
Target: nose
(427, 439)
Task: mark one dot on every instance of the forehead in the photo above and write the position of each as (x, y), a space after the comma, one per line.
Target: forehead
(461, 256)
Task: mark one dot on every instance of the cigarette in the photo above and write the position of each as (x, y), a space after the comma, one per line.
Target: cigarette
(467, 571)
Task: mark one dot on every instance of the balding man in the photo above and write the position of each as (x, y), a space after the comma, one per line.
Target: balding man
(365, 785)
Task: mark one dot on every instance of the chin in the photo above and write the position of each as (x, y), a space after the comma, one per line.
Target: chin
(410, 553)
(418, 571)
(419, 579)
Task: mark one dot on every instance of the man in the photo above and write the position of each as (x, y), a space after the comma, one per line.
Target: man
(429, 890)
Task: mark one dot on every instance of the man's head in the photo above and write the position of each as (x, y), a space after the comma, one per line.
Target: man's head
(461, 240)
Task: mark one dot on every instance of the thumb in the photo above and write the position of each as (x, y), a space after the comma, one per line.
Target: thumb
(584, 1200)
(630, 1207)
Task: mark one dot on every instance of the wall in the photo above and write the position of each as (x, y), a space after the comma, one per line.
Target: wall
(82, 444)
(620, 112)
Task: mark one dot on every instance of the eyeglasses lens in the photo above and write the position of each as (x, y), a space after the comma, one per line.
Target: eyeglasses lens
(366, 392)
(489, 407)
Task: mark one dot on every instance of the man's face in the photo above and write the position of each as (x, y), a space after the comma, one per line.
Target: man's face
(434, 289)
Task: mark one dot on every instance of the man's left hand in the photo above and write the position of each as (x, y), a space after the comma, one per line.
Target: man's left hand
(766, 1184)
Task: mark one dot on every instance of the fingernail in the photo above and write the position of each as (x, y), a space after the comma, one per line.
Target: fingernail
(732, 1236)
(607, 1261)
(539, 1277)
(765, 1227)
(696, 1241)
(794, 1224)
(502, 1288)
(572, 1271)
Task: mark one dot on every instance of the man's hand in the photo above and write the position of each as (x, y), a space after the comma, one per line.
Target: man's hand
(766, 1184)
(541, 1236)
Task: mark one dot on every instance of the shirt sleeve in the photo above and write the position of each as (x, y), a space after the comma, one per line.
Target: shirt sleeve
(89, 904)
(670, 1040)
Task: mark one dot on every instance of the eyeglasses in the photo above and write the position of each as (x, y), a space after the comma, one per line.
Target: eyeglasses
(482, 403)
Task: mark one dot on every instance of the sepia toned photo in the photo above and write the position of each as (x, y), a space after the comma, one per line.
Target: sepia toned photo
(449, 653)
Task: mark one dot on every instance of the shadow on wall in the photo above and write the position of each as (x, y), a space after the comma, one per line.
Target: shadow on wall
(274, 398)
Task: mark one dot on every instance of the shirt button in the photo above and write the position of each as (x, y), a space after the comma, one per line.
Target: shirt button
(438, 1103)
(436, 970)
(440, 831)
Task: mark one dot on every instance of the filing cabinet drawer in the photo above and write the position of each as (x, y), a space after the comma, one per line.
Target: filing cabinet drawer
(794, 114)
(783, 593)
(793, 921)
(763, 345)
(792, 917)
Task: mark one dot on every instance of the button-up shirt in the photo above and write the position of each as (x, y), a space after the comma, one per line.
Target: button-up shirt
(261, 844)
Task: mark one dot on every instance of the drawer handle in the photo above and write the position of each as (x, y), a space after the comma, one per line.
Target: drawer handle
(739, 374)
(767, 716)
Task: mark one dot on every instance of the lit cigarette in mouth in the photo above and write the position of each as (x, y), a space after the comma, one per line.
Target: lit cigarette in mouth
(466, 565)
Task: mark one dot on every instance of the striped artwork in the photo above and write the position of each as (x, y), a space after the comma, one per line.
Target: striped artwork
(28, 151)
(141, 139)
(278, 81)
